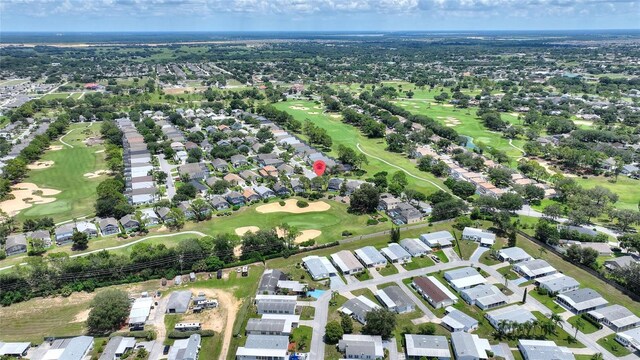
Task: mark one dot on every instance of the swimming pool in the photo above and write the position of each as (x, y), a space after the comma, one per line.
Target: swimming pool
(315, 293)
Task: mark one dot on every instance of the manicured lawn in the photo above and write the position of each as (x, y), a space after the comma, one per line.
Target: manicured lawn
(363, 276)
(561, 336)
(419, 262)
(307, 313)
(366, 292)
(302, 337)
(585, 279)
(614, 347)
(390, 269)
(441, 255)
(626, 189)
(347, 135)
(507, 273)
(466, 248)
(547, 301)
(77, 193)
(587, 327)
(488, 259)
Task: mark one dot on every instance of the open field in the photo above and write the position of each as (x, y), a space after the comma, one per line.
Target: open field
(77, 192)
(626, 189)
(350, 136)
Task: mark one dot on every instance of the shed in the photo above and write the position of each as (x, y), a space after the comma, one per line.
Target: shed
(178, 302)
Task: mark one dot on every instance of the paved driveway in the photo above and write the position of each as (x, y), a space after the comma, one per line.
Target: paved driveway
(475, 257)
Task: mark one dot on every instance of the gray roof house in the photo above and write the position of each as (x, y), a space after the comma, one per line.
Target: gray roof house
(456, 320)
(427, 346)
(15, 244)
(484, 296)
(615, 316)
(346, 262)
(396, 253)
(238, 160)
(269, 281)
(319, 267)
(220, 165)
(557, 283)
(257, 326)
(620, 262)
(485, 238)
(543, 350)
(64, 233)
(129, 223)
(582, 300)
(87, 227)
(178, 302)
(264, 192)
(358, 308)
(394, 299)
(370, 257)
(464, 278)
(438, 239)
(514, 313)
(630, 338)
(108, 226)
(469, 346)
(195, 171)
(15, 349)
(276, 304)
(361, 346)
(117, 346)
(533, 269)
(218, 202)
(415, 247)
(185, 349)
(273, 347)
(76, 348)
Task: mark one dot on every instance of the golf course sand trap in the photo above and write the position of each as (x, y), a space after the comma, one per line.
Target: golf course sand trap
(313, 113)
(304, 235)
(318, 107)
(245, 229)
(25, 196)
(40, 165)
(100, 151)
(55, 147)
(335, 116)
(297, 107)
(98, 173)
(291, 207)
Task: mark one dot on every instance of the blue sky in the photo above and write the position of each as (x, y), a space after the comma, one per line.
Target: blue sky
(315, 15)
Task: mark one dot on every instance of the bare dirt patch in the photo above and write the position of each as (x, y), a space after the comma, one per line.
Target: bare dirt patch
(26, 195)
(174, 91)
(39, 165)
(82, 316)
(291, 207)
(245, 229)
(55, 147)
(96, 174)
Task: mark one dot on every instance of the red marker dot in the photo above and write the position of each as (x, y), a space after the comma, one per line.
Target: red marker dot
(319, 167)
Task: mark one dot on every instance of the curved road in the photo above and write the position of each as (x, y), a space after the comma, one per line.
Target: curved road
(124, 245)
(399, 168)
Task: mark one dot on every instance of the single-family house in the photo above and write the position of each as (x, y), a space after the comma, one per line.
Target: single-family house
(485, 238)
(233, 179)
(370, 257)
(319, 267)
(280, 189)
(129, 223)
(517, 314)
(581, 300)
(14, 349)
(276, 304)
(630, 338)
(220, 165)
(194, 171)
(185, 349)
(533, 269)
(108, 226)
(557, 283)
(485, 296)
(15, 244)
(346, 262)
(620, 262)
(464, 278)
(258, 347)
(438, 239)
(235, 198)
(543, 350)
(261, 326)
(42, 235)
(149, 217)
(178, 302)
(615, 316)
(269, 281)
(76, 348)
(396, 253)
(238, 160)
(513, 255)
(433, 291)
(470, 346)
(456, 320)
(427, 346)
(358, 308)
(64, 233)
(219, 203)
(249, 195)
(394, 299)
(264, 192)
(415, 247)
(361, 347)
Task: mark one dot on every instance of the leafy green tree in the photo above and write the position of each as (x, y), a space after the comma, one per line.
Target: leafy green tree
(347, 323)
(80, 241)
(109, 311)
(380, 322)
(364, 200)
(333, 332)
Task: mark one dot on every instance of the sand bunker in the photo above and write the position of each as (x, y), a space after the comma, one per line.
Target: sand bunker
(245, 229)
(335, 116)
(38, 165)
(296, 107)
(313, 113)
(450, 121)
(304, 235)
(55, 147)
(318, 107)
(25, 196)
(291, 207)
(93, 175)
(100, 151)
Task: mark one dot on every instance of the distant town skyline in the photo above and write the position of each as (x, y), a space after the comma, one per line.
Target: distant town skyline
(315, 15)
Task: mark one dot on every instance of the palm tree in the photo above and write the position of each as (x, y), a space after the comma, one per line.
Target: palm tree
(579, 325)
(597, 356)
(556, 319)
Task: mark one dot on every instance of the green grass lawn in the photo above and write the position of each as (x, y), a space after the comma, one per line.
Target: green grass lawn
(561, 336)
(441, 255)
(363, 276)
(625, 187)
(419, 262)
(307, 313)
(547, 301)
(615, 348)
(302, 337)
(77, 192)
(390, 269)
(367, 293)
(587, 326)
(347, 135)
(466, 248)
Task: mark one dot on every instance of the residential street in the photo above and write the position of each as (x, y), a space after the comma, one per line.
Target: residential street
(166, 167)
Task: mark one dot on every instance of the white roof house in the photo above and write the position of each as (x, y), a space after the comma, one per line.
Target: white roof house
(437, 239)
(464, 278)
(370, 257)
(514, 313)
(581, 300)
(514, 255)
(543, 350)
(428, 346)
(557, 283)
(485, 238)
(17, 349)
(533, 269)
(456, 320)
(319, 267)
(415, 247)
(347, 262)
(264, 347)
(469, 346)
(484, 296)
(630, 338)
(618, 317)
(396, 253)
(140, 310)
(361, 346)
